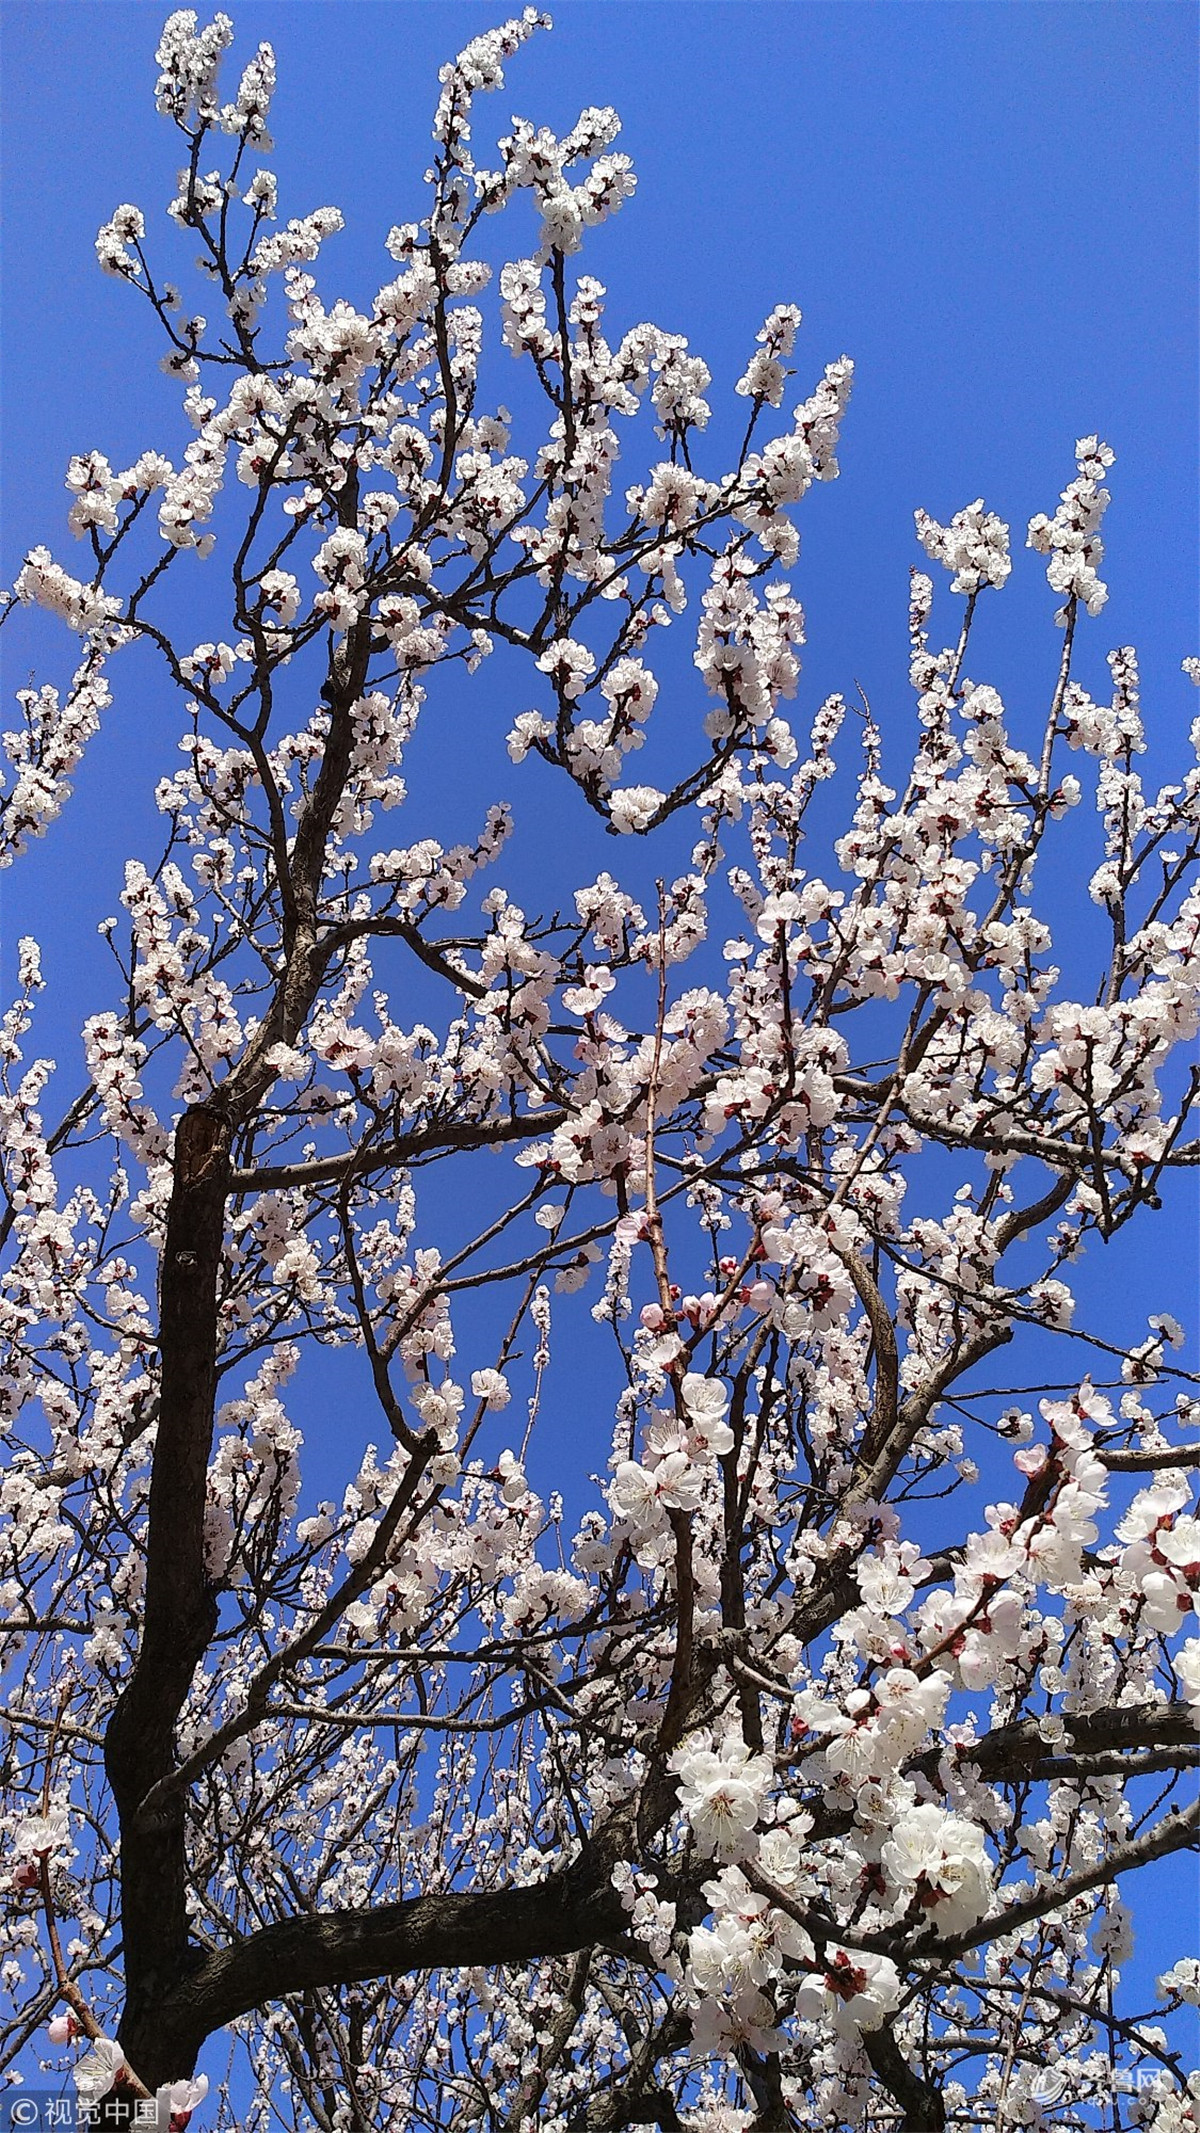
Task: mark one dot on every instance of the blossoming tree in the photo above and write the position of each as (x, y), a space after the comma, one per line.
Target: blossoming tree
(736, 1789)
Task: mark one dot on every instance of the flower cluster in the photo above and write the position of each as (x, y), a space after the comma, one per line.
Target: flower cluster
(1071, 538)
(974, 546)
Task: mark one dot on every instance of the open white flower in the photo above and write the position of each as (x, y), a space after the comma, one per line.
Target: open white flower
(634, 807)
(722, 1793)
(884, 1584)
(492, 1387)
(99, 2070)
(941, 1859)
(1187, 1666)
(176, 2101)
(633, 1495)
(1181, 1981)
(37, 1836)
(855, 1990)
(705, 1401)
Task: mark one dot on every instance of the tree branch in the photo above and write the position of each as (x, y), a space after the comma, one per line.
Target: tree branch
(571, 1909)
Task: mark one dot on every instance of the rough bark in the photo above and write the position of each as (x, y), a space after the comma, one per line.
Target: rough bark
(572, 1909)
(180, 1608)
(923, 2108)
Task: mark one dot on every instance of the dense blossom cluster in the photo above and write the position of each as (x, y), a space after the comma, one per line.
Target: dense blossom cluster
(735, 1790)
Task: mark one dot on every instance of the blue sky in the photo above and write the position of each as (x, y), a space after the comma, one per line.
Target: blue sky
(990, 204)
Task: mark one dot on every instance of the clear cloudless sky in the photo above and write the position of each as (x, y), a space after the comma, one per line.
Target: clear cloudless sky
(990, 204)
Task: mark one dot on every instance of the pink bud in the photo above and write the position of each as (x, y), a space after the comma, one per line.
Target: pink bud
(61, 2029)
(653, 1318)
